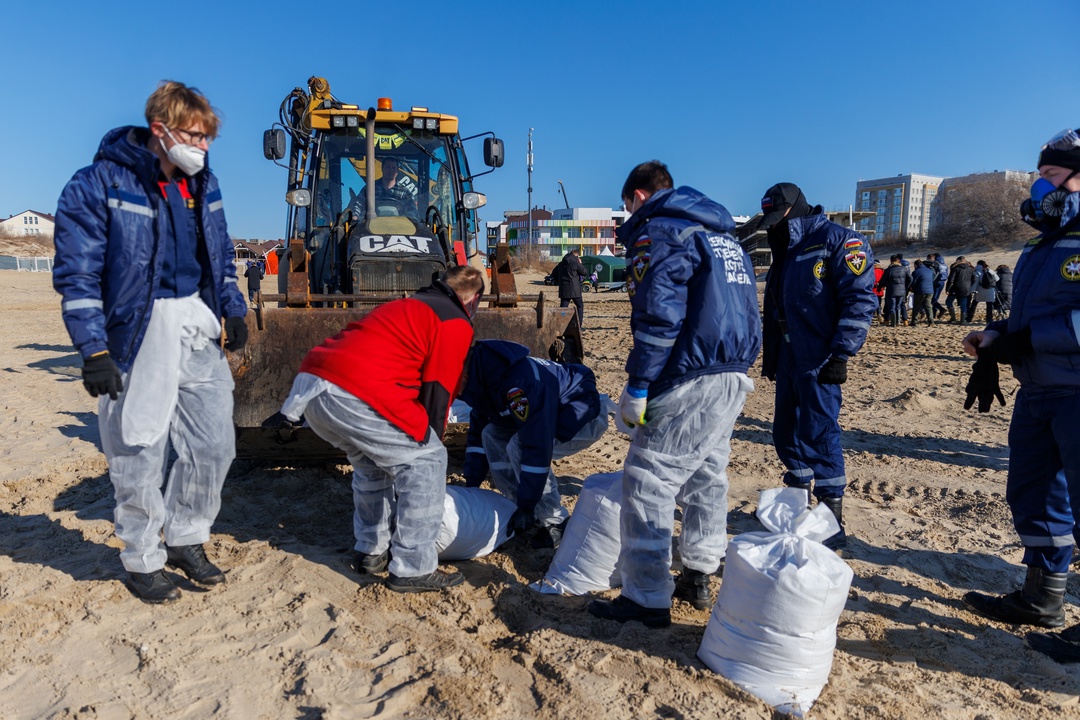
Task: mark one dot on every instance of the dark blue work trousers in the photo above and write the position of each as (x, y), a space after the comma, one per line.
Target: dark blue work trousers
(1044, 474)
(806, 429)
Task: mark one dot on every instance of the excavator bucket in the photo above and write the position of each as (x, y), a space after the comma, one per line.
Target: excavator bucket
(280, 337)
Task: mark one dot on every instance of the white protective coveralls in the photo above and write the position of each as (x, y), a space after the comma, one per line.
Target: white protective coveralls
(679, 456)
(503, 449)
(179, 390)
(394, 476)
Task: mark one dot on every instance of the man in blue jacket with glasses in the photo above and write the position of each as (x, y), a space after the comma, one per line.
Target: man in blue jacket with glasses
(145, 267)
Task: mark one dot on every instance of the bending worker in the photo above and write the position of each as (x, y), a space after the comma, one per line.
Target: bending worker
(525, 413)
(819, 301)
(380, 391)
(145, 266)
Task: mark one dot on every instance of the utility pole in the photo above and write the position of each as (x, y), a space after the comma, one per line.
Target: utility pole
(529, 165)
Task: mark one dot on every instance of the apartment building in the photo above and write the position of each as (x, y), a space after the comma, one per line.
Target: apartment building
(902, 205)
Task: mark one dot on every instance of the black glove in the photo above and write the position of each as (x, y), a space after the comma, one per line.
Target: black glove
(1010, 347)
(983, 383)
(101, 376)
(235, 333)
(834, 372)
(521, 521)
(472, 481)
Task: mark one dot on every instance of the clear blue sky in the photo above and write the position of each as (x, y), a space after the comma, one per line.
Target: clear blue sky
(733, 96)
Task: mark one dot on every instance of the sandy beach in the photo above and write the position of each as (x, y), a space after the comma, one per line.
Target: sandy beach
(296, 633)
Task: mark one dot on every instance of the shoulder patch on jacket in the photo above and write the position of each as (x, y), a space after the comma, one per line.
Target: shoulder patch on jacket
(640, 262)
(518, 403)
(819, 269)
(855, 258)
(1070, 269)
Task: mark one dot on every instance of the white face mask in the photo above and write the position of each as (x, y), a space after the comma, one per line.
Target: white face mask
(188, 158)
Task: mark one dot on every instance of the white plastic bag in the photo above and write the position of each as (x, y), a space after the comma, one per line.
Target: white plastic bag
(474, 523)
(587, 558)
(773, 629)
(459, 412)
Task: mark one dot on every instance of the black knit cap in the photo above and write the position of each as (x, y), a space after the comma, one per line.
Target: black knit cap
(1069, 158)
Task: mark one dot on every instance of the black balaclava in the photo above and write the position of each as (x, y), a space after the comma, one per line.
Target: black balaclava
(780, 234)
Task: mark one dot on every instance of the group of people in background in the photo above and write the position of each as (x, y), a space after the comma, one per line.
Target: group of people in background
(902, 287)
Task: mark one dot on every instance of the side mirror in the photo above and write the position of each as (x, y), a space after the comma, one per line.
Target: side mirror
(493, 152)
(298, 198)
(274, 144)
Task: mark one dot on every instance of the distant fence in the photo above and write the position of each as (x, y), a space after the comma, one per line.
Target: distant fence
(30, 264)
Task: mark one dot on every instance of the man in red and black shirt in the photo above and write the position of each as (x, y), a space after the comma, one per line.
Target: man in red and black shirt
(380, 390)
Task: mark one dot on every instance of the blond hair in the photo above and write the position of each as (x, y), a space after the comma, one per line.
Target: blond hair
(181, 107)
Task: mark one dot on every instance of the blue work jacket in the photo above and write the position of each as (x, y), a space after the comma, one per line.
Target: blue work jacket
(822, 291)
(1046, 298)
(542, 401)
(693, 295)
(109, 223)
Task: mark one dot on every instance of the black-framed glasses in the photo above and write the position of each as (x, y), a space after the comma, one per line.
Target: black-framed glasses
(195, 138)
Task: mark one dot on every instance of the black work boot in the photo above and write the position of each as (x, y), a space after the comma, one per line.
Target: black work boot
(372, 564)
(836, 506)
(1039, 602)
(623, 609)
(153, 587)
(191, 560)
(693, 587)
(1064, 647)
(432, 582)
(952, 315)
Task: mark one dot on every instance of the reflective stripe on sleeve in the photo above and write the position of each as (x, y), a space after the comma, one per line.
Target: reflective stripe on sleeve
(653, 340)
(214, 206)
(535, 469)
(478, 450)
(81, 304)
(848, 322)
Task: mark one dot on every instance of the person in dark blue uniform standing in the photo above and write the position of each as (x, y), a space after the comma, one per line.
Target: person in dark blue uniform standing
(694, 317)
(1041, 341)
(145, 266)
(525, 413)
(819, 301)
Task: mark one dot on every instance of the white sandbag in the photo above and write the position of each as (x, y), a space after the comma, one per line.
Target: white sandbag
(474, 523)
(773, 629)
(587, 558)
(459, 412)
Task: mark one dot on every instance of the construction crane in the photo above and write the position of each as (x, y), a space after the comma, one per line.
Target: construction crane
(563, 188)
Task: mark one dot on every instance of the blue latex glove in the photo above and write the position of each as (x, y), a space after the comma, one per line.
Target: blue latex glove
(632, 405)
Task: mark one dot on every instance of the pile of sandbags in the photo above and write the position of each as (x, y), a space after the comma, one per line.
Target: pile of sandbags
(773, 629)
(587, 558)
(474, 523)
